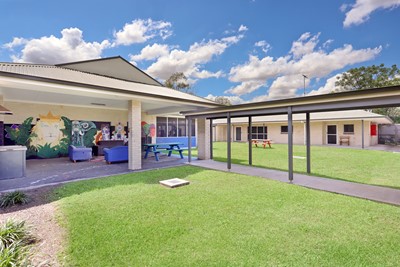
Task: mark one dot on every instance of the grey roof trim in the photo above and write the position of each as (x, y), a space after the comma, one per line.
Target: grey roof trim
(63, 65)
(116, 90)
(328, 102)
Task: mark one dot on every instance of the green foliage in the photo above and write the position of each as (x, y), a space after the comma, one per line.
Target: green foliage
(15, 240)
(67, 131)
(368, 77)
(222, 219)
(179, 81)
(223, 100)
(23, 134)
(88, 138)
(13, 198)
(47, 151)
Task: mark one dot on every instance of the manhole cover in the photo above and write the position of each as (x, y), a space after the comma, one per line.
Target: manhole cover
(175, 182)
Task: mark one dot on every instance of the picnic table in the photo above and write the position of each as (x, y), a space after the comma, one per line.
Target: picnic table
(157, 148)
(264, 143)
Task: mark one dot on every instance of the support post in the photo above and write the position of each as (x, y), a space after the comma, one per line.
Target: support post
(308, 142)
(362, 132)
(228, 133)
(211, 139)
(134, 140)
(203, 136)
(250, 142)
(290, 144)
(189, 131)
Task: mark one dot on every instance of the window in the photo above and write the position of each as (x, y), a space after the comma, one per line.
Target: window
(181, 127)
(172, 127)
(161, 127)
(348, 129)
(284, 129)
(260, 132)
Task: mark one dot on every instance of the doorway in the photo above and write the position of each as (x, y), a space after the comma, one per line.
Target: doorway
(238, 133)
(331, 134)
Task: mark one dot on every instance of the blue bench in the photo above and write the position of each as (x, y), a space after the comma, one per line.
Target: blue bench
(116, 154)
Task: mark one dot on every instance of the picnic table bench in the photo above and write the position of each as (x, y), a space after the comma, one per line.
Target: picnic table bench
(157, 148)
(264, 143)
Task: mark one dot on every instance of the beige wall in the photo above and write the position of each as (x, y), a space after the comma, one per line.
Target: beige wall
(318, 132)
(21, 111)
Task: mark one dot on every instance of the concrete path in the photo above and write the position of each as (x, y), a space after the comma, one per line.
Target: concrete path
(44, 172)
(375, 193)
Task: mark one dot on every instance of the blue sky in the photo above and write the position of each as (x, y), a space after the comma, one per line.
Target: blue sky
(247, 50)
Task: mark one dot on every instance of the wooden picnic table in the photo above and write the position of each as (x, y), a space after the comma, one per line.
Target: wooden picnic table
(156, 149)
(264, 143)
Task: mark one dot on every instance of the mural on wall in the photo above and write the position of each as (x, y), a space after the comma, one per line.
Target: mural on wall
(119, 133)
(148, 130)
(51, 135)
(82, 133)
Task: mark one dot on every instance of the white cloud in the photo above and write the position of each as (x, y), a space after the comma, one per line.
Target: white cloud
(243, 28)
(191, 62)
(50, 49)
(265, 47)
(304, 58)
(304, 45)
(15, 43)
(245, 88)
(235, 100)
(360, 11)
(139, 31)
(151, 52)
(327, 88)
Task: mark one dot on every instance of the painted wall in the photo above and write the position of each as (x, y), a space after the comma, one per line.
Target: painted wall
(21, 111)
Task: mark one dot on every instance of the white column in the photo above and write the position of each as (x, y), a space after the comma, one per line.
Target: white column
(135, 136)
(1, 120)
(203, 139)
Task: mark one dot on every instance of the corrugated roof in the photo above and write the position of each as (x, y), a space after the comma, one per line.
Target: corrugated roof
(320, 116)
(57, 74)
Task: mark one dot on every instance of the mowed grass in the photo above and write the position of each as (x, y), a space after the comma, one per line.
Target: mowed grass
(222, 219)
(356, 165)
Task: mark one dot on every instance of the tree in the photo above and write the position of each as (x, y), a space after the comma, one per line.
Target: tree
(368, 77)
(179, 81)
(371, 77)
(223, 100)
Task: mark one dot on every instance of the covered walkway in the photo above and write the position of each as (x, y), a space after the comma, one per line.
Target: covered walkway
(375, 193)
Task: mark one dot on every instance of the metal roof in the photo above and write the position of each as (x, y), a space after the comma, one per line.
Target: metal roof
(320, 116)
(60, 75)
(351, 100)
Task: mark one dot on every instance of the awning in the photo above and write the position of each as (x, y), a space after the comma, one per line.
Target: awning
(4, 111)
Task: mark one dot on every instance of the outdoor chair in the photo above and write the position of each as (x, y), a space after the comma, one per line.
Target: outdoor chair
(79, 153)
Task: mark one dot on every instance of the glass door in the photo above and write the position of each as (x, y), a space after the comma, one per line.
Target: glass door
(331, 134)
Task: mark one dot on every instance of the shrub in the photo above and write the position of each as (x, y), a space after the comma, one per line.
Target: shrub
(15, 240)
(13, 198)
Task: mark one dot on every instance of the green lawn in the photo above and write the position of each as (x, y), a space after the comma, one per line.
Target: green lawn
(356, 165)
(222, 219)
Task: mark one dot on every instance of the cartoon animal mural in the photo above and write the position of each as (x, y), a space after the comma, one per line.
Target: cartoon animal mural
(80, 130)
(51, 135)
